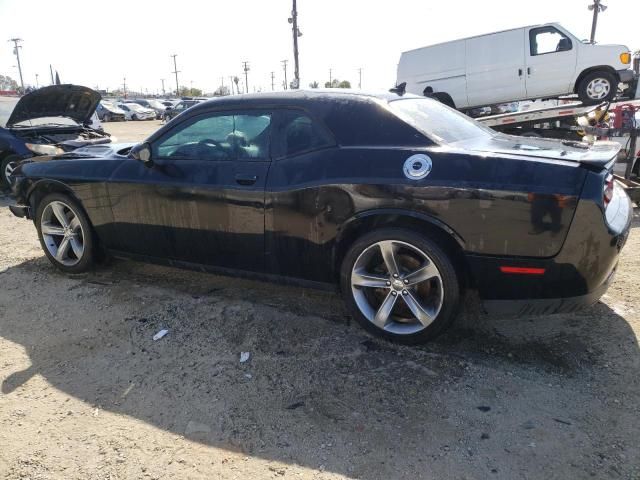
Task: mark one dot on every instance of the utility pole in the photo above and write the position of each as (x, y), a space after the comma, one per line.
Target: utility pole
(162, 80)
(51, 71)
(597, 7)
(330, 79)
(231, 81)
(284, 65)
(37, 84)
(124, 86)
(176, 71)
(273, 79)
(245, 67)
(16, 51)
(293, 20)
(360, 78)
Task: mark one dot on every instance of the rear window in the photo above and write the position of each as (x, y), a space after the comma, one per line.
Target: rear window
(439, 122)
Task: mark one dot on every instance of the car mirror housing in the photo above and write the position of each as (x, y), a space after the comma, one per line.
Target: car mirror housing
(142, 153)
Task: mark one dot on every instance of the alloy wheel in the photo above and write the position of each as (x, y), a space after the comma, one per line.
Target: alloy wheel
(397, 287)
(62, 233)
(8, 170)
(598, 88)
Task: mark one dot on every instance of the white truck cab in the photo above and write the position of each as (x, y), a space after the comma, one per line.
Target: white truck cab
(538, 61)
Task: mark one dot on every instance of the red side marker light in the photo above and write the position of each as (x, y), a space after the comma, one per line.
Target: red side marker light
(523, 270)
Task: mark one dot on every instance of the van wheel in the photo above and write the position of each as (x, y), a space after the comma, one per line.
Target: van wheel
(400, 285)
(444, 98)
(597, 87)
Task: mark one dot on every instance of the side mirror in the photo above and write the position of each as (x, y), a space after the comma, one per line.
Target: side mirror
(142, 153)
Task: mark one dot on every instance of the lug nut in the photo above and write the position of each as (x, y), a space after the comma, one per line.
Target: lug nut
(394, 293)
(388, 283)
(406, 282)
(404, 292)
(395, 275)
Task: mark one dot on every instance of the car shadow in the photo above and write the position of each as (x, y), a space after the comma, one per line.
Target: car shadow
(316, 390)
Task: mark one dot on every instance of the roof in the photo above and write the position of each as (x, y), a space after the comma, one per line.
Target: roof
(297, 97)
(481, 35)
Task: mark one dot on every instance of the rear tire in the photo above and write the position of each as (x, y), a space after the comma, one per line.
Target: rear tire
(410, 302)
(65, 233)
(134, 117)
(597, 87)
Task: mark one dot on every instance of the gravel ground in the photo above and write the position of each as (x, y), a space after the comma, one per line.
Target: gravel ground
(86, 392)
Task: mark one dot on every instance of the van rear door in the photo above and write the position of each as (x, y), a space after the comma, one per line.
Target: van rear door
(495, 68)
(551, 61)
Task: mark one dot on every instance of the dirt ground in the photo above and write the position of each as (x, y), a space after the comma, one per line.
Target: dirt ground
(87, 394)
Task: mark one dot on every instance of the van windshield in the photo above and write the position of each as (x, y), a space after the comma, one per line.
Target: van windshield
(439, 122)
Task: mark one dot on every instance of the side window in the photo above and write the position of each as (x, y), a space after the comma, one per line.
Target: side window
(298, 133)
(548, 40)
(199, 139)
(217, 137)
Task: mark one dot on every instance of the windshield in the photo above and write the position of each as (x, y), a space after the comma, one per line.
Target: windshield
(156, 104)
(439, 122)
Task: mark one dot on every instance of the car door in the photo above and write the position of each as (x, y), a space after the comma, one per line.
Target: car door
(551, 62)
(495, 68)
(202, 201)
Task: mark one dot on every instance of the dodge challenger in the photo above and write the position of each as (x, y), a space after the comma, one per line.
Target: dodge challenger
(399, 200)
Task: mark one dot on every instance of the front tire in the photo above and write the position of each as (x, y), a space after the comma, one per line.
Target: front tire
(7, 166)
(597, 87)
(400, 285)
(65, 233)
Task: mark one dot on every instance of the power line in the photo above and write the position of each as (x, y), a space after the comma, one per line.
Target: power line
(176, 71)
(284, 66)
(16, 51)
(245, 67)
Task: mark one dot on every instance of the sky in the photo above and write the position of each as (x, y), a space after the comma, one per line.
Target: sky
(98, 44)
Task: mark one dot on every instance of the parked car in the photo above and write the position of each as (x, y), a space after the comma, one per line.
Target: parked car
(49, 121)
(180, 107)
(154, 105)
(133, 111)
(538, 61)
(400, 200)
(109, 112)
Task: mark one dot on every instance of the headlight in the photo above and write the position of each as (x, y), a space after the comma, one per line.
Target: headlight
(625, 58)
(44, 149)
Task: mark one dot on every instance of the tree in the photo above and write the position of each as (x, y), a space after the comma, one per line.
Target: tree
(221, 91)
(190, 92)
(8, 83)
(335, 83)
(314, 84)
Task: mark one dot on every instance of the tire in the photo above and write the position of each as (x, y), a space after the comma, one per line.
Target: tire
(597, 87)
(444, 98)
(134, 117)
(106, 118)
(7, 165)
(434, 294)
(77, 255)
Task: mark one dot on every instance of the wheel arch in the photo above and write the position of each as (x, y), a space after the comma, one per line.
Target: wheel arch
(587, 71)
(44, 187)
(433, 228)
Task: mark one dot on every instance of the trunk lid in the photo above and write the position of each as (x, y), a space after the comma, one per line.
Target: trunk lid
(599, 154)
(70, 101)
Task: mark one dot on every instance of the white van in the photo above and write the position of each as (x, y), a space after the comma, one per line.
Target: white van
(539, 61)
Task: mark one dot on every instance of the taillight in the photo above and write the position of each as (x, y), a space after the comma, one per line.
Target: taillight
(607, 193)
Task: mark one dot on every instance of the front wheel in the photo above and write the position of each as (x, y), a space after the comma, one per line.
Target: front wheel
(65, 233)
(400, 285)
(134, 117)
(597, 87)
(7, 166)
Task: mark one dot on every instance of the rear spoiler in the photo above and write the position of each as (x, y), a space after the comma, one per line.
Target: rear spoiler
(601, 154)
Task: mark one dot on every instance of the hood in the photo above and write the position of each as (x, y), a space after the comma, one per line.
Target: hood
(113, 109)
(599, 154)
(71, 101)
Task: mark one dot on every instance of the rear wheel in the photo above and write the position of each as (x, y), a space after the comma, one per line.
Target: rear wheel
(106, 118)
(65, 233)
(7, 166)
(134, 117)
(597, 87)
(400, 285)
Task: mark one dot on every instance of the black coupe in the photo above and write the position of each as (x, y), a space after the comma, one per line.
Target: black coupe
(400, 200)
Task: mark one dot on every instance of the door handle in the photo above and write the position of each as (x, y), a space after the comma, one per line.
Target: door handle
(244, 179)
(519, 72)
(528, 70)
